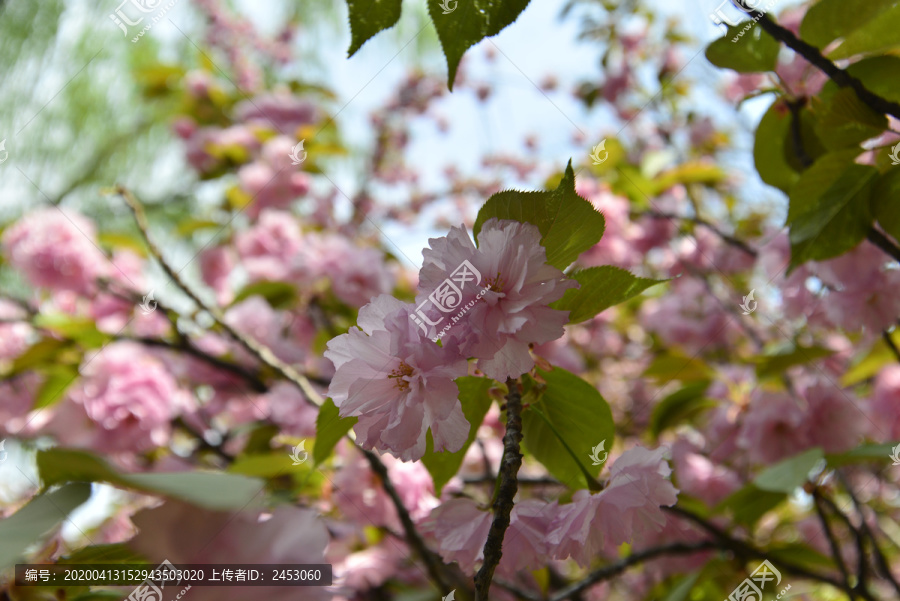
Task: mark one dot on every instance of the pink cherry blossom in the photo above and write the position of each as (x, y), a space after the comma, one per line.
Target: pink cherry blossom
(15, 336)
(360, 496)
(267, 249)
(356, 274)
(216, 265)
(885, 404)
(699, 477)
(280, 111)
(773, 428)
(459, 530)
(626, 510)
(130, 396)
(513, 312)
(290, 410)
(397, 382)
(256, 318)
(834, 421)
(56, 249)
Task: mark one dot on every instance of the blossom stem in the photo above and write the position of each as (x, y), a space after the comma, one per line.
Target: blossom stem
(506, 491)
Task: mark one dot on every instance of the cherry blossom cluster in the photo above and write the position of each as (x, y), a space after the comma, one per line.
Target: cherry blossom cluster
(400, 383)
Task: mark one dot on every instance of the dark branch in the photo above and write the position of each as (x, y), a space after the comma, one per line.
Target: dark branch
(838, 75)
(506, 490)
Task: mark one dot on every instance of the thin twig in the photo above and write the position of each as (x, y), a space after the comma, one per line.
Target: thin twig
(833, 544)
(614, 569)
(431, 561)
(506, 489)
(862, 569)
(884, 243)
(261, 352)
(728, 238)
(880, 559)
(747, 550)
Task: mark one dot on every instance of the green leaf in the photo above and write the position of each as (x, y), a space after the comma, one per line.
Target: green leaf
(771, 146)
(878, 35)
(112, 553)
(469, 23)
(80, 329)
(213, 490)
(42, 352)
(679, 406)
(678, 367)
(845, 120)
(753, 52)
(682, 590)
(601, 288)
(32, 522)
(569, 224)
(279, 295)
(828, 20)
(861, 454)
(799, 554)
(877, 357)
(790, 473)
(368, 17)
(776, 364)
(886, 202)
(829, 210)
(575, 419)
(330, 428)
(750, 503)
(59, 378)
(264, 466)
(473, 395)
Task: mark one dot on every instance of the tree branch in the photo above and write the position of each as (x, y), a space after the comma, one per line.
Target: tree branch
(261, 352)
(614, 569)
(833, 544)
(747, 550)
(880, 559)
(506, 490)
(727, 238)
(884, 243)
(432, 563)
(838, 75)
